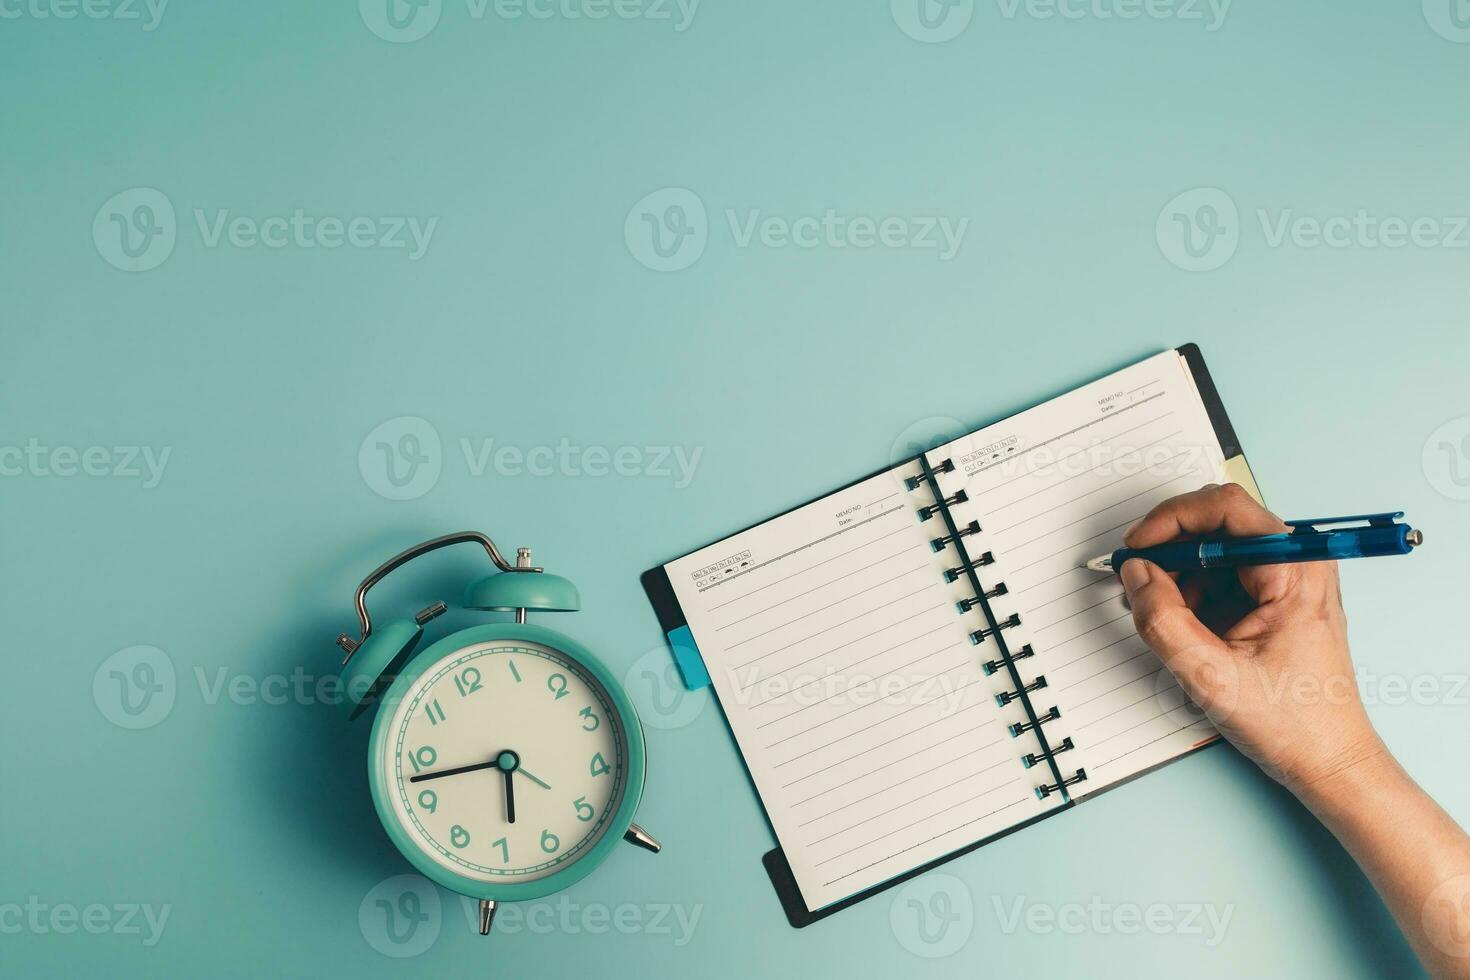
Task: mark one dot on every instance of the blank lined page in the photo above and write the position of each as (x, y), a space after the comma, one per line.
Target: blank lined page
(1058, 485)
(847, 673)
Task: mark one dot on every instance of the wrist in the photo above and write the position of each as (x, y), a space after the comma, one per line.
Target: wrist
(1362, 769)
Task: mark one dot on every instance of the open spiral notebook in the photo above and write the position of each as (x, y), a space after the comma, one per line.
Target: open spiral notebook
(916, 665)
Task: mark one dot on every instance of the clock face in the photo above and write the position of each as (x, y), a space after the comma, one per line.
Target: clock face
(505, 761)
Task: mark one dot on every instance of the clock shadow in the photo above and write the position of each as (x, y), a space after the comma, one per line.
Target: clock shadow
(319, 741)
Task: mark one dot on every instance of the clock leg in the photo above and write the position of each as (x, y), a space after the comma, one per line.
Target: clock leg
(487, 915)
(637, 835)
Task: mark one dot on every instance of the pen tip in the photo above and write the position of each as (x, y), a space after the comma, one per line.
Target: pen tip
(1103, 564)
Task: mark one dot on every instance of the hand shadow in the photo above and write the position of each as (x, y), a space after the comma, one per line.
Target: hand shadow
(1361, 921)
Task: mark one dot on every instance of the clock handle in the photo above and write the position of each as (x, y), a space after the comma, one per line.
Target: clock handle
(402, 558)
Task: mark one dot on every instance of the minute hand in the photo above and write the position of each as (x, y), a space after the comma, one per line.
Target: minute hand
(478, 767)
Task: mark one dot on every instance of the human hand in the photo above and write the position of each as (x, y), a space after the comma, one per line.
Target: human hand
(1261, 650)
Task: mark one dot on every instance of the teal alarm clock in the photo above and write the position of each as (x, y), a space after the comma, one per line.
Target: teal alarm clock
(506, 761)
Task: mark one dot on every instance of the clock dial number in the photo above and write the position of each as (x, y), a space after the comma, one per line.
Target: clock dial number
(590, 722)
(557, 685)
(468, 681)
(599, 766)
(434, 711)
(429, 800)
(550, 843)
(584, 809)
(423, 757)
(459, 837)
(504, 846)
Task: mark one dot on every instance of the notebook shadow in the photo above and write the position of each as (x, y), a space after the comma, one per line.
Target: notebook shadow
(1363, 924)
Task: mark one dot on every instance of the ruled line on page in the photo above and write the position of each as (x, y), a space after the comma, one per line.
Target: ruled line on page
(946, 762)
(929, 840)
(869, 727)
(814, 565)
(1073, 570)
(1130, 704)
(812, 612)
(1113, 690)
(1096, 581)
(854, 688)
(1127, 615)
(1130, 728)
(1085, 609)
(1096, 650)
(1086, 517)
(845, 622)
(1088, 472)
(910, 802)
(816, 588)
(1140, 748)
(916, 823)
(1081, 428)
(846, 667)
(1092, 676)
(839, 646)
(822, 724)
(795, 551)
(1077, 544)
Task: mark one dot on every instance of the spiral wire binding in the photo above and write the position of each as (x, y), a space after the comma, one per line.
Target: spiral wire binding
(965, 605)
(1032, 758)
(953, 574)
(1046, 789)
(915, 482)
(991, 666)
(1006, 660)
(1022, 727)
(927, 512)
(1006, 697)
(939, 544)
(980, 636)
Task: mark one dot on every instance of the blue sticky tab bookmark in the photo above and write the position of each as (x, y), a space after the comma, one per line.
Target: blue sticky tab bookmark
(686, 655)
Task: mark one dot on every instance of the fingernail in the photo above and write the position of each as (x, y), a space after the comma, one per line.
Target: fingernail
(1134, 574)
(1131, 528)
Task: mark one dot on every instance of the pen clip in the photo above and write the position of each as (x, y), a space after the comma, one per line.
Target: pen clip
(1320, 525)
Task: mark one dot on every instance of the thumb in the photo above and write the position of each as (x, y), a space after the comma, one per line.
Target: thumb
(1165, 622)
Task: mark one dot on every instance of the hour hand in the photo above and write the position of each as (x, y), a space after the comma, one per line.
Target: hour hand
(508, 762)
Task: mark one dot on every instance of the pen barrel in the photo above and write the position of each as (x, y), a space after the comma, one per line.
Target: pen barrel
(1282, 549)
(1176, 556)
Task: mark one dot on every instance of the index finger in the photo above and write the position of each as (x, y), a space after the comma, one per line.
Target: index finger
(1206, 511)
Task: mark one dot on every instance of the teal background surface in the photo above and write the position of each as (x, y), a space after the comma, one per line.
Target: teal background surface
(1080, 149)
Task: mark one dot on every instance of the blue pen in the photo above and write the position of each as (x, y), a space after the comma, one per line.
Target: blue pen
(1324, 539)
